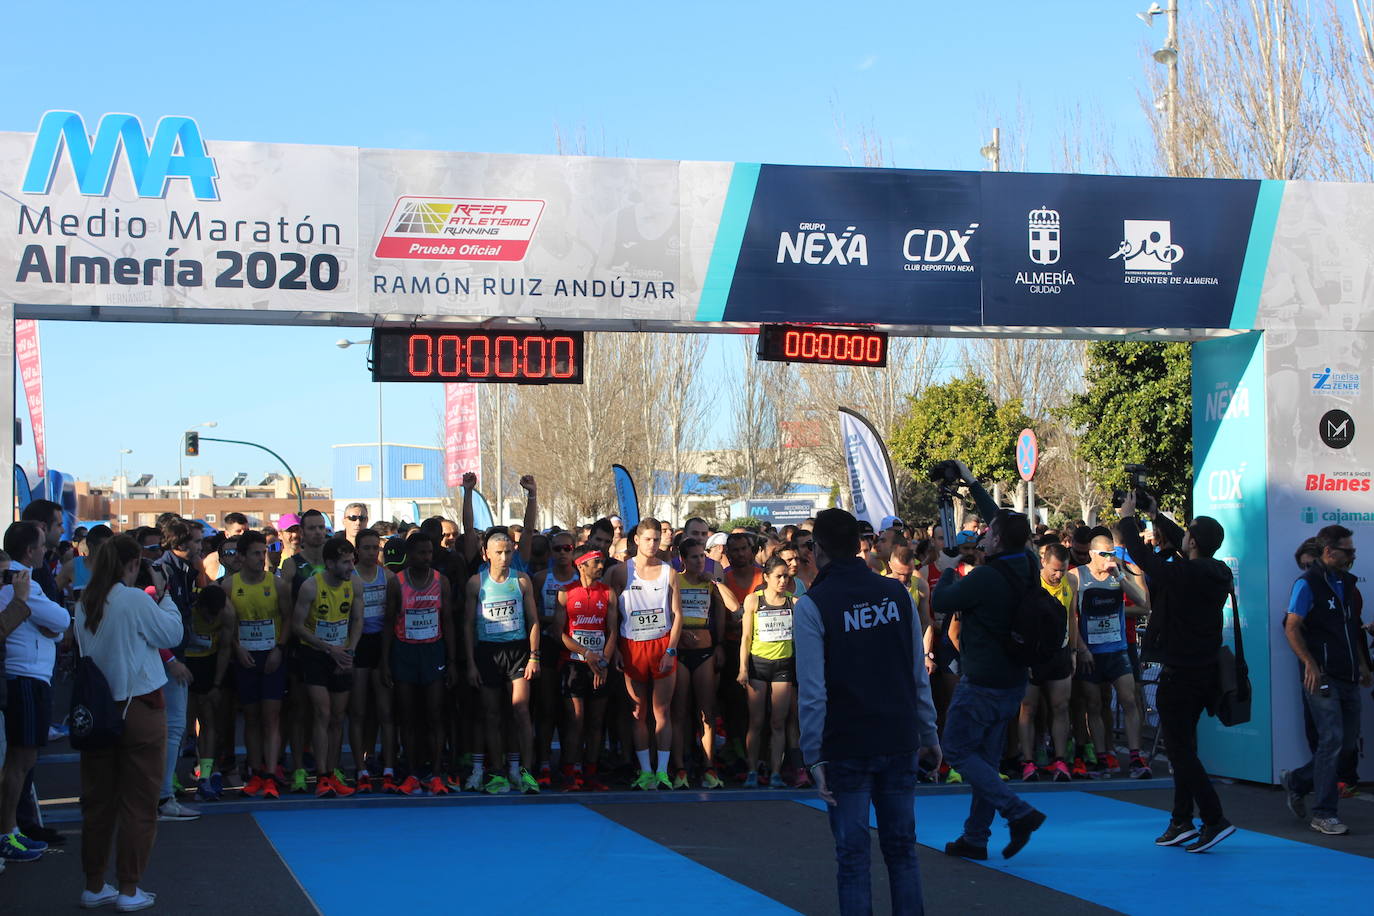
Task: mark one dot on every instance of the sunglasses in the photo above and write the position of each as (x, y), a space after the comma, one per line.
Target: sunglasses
(229, 552)
(152, 547)
(566, 548)
(356, 518)
(1105, 554)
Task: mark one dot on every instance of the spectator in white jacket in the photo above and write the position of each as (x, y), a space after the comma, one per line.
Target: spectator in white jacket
(30, 653)
(120, 628)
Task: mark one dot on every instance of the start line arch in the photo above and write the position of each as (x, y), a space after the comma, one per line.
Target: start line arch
(1272, 280)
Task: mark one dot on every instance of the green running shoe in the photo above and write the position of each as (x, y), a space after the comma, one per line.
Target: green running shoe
(298, 781)
(645, 782)
(496, 785)
(528, 784)
(661, 781)
(953, 778)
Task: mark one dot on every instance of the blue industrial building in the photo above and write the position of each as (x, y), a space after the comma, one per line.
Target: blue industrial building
(397, 482)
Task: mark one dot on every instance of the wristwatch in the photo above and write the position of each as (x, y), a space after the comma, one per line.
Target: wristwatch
(670, 651)
(930, 655)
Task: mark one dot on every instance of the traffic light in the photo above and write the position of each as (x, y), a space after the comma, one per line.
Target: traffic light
(192, 448)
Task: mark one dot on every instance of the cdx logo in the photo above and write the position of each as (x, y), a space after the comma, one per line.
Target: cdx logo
(1224, 486)
(938, 246)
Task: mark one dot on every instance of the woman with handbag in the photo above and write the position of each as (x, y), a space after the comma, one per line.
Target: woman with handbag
(120, 629)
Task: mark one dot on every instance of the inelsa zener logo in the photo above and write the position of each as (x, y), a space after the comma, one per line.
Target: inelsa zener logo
(1337, 429)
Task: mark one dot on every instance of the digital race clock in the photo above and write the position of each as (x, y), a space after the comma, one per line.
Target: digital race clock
(795, 343)
(512, 357)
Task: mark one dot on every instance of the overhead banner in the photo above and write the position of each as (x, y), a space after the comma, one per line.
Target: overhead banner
(30, 359)
(871, 484)
(462, 434)
(626, 497)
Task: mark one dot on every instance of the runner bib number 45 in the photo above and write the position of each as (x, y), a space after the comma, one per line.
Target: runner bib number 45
(1102, 630)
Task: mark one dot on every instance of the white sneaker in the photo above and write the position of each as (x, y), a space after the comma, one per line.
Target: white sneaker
(1329, 825)
(474, 783)
(138, 900)
(173, 810)
(105, 897)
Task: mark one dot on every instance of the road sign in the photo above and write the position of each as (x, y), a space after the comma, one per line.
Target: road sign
(1027, 454)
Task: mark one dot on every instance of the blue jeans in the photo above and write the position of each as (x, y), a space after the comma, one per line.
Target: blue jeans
(174, 695)
(889, 783)
(975, 733)
(1337, 719)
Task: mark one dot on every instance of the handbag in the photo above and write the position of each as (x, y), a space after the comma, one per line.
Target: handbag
(95, 720)
(1233, 679)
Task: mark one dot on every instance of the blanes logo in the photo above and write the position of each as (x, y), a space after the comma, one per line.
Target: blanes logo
(176, 152)
(460, 229)
(1341, 481)
(813, 244)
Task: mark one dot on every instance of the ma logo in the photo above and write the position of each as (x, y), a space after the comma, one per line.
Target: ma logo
(176, 151)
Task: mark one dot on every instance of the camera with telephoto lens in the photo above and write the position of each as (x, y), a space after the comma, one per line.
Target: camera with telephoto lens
(945, 473)
(1137, 477)
(946, 476)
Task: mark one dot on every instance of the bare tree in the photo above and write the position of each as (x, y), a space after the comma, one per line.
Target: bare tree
(1039, 372)
(1350, 156)
(759, 461)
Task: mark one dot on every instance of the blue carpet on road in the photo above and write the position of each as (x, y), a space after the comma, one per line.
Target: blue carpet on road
(497, 860)
(1102, 850)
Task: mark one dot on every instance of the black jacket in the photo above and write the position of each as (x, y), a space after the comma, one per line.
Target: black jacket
(1333, 628)
(1186, 600)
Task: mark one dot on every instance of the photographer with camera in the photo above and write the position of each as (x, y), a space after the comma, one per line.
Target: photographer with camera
(989, 693)
(1188, 591)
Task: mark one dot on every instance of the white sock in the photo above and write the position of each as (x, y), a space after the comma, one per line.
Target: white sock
(643, 760)
(479, 765)
(388, 771)
(513, 765)
(663, 753)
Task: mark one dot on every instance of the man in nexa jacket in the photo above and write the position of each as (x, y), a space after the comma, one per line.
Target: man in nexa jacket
(989, 693)
(1324, 629)
(1188, 590)
(866, 713)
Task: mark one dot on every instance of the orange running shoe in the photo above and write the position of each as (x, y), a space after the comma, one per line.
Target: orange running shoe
(363, 783)
(254, 787)
(436, 786)
(389, 783)
(410, 786)
(269, 788)
(342, 790)
(324, 787)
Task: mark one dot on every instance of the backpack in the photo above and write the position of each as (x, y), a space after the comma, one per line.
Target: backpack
(95, 720)
(1038, 621)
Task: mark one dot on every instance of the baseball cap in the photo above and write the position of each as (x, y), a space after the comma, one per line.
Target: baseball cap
(891, 521)
(394, 553)
(289, 520)
(965, 537)
(717, 540)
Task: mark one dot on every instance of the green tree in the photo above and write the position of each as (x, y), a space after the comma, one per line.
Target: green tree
(1138, 409)
(959, 419)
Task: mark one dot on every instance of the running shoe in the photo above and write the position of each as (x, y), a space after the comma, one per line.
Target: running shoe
(1297, 802)
(454, 782)
(436, 786)
(709, 779)
(1348, 789)
(269, 788)
(1176, 834)
(254, 787)
(362, 782)
(474, 783)
(1090, 753)
(340, 779)
(30, 843)
(217, 784)
(803, 780)
(1079, 769)
(751, 781)
(173, 810)
(409, 786)
(591, 780)
(572, 782)
(324, 786)
(1029, 772)
(776, 782)
(1140, 769)
(528, 784)
(1329, 825)
(298, 781)
(545, 779)
(279, 774)
(1059, 772)
(645, 781)
(205, 792)
(1113, 765)
(953, 778)
(1099, 770)
(12, 850)
(661, 781)
(342, 788)
(1211, 835)
(680, 780)
(389, 784)
(496, 785)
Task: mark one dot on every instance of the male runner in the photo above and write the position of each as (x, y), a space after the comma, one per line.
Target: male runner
(419, 656)
(259, 605)
(1102, 656)
(354, 521)
(547, 585)
(296, 570)
(587, 621)
(328, 621)
(499, 611)
(741, 577)
(1055, 678)
(207, 655)
(369, 702)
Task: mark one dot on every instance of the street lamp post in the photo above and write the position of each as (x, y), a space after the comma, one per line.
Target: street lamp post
(181, 470)
(123, 482)
(381, 457)
(1168, 56)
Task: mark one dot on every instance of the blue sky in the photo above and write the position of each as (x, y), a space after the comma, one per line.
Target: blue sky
(738, 81)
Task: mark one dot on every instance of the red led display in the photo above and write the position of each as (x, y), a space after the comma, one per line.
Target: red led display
(792, 343)
(512, 357)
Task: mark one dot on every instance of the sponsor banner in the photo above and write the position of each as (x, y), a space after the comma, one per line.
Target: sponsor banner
(626, 496)
(30, 359)
(860, 245)
(1098, 251)
(459, 229)
(1229, 442)
(871, 485)
(462, 433)
(775, 511)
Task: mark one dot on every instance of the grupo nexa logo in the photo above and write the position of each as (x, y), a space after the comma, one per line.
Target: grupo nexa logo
(176, 151)
(814, 244)
(1337, 429)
